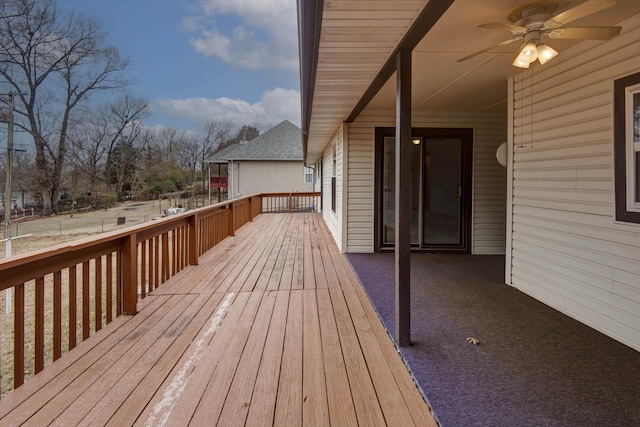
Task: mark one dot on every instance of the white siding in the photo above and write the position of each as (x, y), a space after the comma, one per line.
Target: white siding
(265, 176)
(333, 219)
(567, 250)
(489, 178)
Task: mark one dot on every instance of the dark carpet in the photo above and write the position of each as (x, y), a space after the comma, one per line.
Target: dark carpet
(534, 366)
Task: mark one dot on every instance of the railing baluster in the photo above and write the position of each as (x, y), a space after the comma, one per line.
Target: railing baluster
(119, 270)
(143, 269)
(178, 251)
(174, 252)
(73, 308)
(98, 290)
(109, 293)
(151, 264)
(18, 336)
(39, 326)
(165, 257)
(57, 315)
(86, 319)
(156, 281)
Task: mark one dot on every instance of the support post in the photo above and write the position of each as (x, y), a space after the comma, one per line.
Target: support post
(129, 275)
(403, 200)
(232, 220)
(193, 239)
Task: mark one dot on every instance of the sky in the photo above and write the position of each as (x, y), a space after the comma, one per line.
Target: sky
(195, 60)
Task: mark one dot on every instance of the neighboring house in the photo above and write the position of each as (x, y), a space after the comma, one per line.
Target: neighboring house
(565, 211)
(271, 162)
(219, 181)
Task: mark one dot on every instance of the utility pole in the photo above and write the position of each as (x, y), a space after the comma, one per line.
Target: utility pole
(7, 194)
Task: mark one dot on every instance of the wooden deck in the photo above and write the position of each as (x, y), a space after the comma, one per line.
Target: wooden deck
(271, 328)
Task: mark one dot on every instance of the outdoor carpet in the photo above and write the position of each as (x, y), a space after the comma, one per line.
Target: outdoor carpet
(534, 366)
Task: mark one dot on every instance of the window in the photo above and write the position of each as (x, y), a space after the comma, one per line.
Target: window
(333, 180)
(333, 193)
(627, 148)
(308, 175)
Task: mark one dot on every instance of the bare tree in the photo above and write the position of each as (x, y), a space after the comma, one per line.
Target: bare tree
(188, 154)
(169, 141)
(53, 63)
(216, 132)
(93, 138)
(123, 165)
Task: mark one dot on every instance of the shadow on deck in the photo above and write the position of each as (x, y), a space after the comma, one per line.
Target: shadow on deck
(271, 328)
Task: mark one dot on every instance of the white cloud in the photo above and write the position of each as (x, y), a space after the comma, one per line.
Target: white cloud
(275, 106)
(265, 39)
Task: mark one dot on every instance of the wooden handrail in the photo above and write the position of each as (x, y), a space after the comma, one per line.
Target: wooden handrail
(126, 264)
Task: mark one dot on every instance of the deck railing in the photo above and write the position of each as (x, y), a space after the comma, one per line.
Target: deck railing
(290, 202)
(63, 294)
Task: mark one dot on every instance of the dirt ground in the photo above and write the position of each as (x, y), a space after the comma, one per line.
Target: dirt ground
(49, 231)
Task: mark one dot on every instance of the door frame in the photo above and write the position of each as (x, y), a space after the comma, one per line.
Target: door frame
(466, 179)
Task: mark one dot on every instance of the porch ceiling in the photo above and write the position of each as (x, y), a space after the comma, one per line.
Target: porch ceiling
(357, 38)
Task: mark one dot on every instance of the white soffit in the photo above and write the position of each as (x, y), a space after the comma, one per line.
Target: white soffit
(356, 39)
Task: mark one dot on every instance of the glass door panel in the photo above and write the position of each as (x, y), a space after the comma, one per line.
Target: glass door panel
(389, 191)
(442, 191)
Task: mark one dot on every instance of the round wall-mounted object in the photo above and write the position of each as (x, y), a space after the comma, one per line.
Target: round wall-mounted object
(501, 154)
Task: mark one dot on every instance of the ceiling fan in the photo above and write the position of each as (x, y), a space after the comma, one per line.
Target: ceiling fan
(535, 19)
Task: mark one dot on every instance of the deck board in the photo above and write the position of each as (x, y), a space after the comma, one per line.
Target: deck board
(271, 328)
(263, 400)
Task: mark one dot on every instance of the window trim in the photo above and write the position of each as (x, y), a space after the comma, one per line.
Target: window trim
(627, 209)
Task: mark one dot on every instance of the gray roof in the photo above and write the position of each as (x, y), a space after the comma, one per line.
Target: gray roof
(281, 142)
(221, 156)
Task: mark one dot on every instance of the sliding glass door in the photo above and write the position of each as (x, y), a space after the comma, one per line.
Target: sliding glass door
(440, 188)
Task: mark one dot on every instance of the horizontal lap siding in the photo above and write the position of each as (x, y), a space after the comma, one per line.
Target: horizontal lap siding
(567, 249)
(489, 178)
(333, 219)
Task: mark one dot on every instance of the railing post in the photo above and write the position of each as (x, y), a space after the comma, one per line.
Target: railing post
(232, 222)
(290, 202)
(129, 275)
(251, 209)
(193, 239)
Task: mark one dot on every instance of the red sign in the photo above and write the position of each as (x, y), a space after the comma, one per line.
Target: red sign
(219, 182)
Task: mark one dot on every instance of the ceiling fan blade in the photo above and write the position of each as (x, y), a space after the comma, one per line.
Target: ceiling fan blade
(502, 26)
(585, 33)
(581, 10)
(506, 42)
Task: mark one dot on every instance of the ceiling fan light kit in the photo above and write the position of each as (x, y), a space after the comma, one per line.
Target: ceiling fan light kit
(520, 64)
(546, 53)
(535, 19)
(532, 51)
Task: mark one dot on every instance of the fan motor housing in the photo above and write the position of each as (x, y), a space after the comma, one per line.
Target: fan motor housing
(533, 12)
